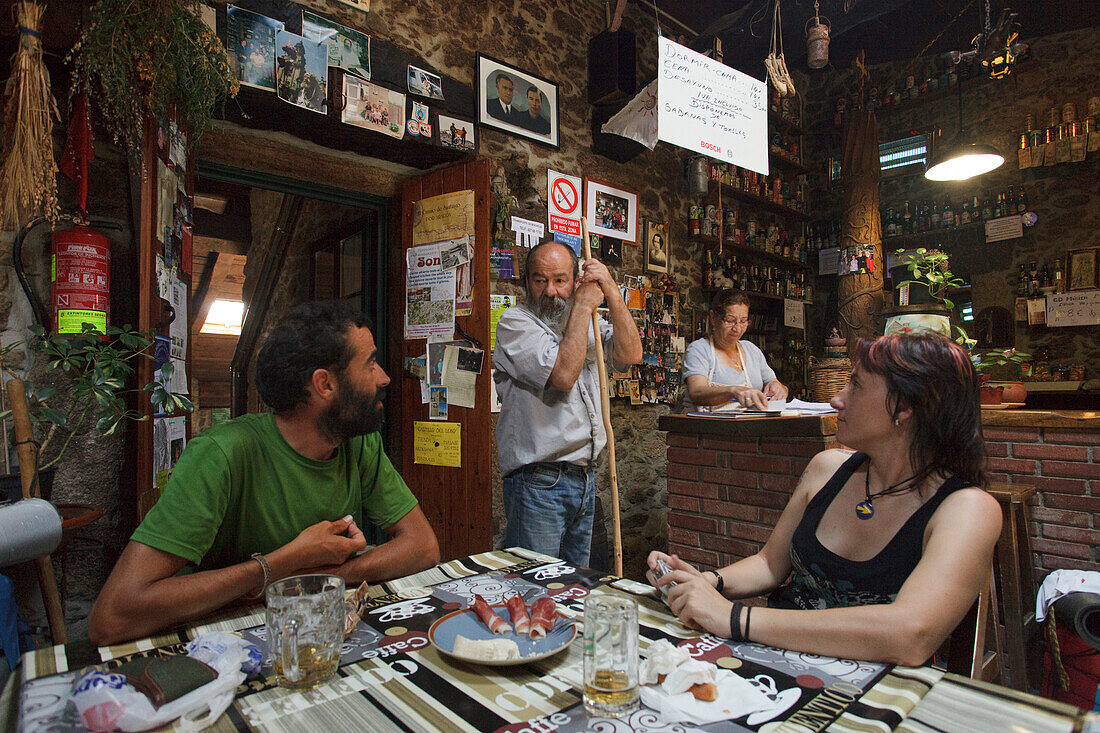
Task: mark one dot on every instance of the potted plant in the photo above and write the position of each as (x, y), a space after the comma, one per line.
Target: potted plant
(96, 371)
(1007, 363)
(921, 300)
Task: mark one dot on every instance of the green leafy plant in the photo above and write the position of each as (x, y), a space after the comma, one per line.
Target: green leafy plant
(151, 55)
(992, 360)
(929, 269)
(97, 371)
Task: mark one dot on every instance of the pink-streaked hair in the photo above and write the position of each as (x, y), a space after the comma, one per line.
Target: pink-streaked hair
(931, 375)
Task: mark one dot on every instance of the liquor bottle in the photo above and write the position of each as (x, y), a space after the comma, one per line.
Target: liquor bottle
(1059, 280)
(1021, 282)
(975, 209)
(1021, 201)
(1033, 278)
(708, 271)
(987, 207)
(934, 216)
(947, 219)
(965, 214)
(907, 219)
(1044, 278)
(922, 217)
(1010, 201)
(890, 227)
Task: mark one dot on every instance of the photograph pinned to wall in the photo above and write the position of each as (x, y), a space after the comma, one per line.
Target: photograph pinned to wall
(425, 83)
(502, 261)
(656, 246)
(612, 250)
(250, 46)
(611, 211)
(516, 102)
(437, 406)
(348, 49)
(1081, 269)
(373, 107)
(301, 71)
(857, 260)
(456, 133)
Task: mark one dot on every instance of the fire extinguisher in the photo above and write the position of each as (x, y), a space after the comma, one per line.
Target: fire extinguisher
(80, 280)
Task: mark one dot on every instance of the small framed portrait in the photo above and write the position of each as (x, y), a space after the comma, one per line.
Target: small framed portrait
(611, 211)
(612, 251)
(1081, 272)
(516, 102)
(656, 246)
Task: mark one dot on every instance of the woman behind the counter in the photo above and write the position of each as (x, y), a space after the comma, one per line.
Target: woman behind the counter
(721, 367)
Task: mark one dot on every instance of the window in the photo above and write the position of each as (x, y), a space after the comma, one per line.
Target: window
(225, 317)
(900, 154)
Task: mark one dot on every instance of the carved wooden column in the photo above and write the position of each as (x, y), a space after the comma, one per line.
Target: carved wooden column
(860, 298)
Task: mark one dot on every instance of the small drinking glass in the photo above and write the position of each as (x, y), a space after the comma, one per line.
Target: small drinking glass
(610, 655)
(305, 627)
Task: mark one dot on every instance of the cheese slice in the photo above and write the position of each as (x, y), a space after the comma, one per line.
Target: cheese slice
(486, 650)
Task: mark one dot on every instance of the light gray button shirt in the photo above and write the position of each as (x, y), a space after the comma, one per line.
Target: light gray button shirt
(537, 422)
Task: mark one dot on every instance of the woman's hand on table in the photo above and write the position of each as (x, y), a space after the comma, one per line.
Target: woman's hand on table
(775, 390)
(694, 599)
(750, 398)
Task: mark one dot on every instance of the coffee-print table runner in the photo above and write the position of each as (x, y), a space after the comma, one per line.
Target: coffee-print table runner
(392, 678)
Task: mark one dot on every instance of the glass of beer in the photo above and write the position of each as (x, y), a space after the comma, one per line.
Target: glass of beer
(305, 627)
(610, 655)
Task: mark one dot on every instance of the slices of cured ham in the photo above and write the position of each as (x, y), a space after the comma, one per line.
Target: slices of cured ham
(543, 613)
(518, 609)
(489, 617)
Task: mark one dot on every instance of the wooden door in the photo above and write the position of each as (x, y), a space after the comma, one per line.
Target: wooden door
(457, 501)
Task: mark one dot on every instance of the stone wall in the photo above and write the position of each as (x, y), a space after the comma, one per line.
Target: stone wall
(1065, 197)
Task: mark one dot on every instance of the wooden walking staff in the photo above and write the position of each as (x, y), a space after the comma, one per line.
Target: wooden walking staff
(605, 408)
(28, 468)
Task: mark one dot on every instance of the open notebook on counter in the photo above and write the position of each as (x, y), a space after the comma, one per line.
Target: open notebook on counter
(776, 408)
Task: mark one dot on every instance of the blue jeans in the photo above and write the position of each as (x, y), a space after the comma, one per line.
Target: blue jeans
(549, 507)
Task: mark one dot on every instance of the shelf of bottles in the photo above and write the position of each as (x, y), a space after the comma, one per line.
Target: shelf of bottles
(728, 268)
(1067, 137)
(930, 217)
(770, 193)
(1033, 281)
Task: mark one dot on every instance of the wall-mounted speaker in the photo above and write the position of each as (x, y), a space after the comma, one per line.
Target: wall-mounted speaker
(611, 67)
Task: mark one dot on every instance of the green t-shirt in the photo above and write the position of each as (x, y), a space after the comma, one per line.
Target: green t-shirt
(240, 488)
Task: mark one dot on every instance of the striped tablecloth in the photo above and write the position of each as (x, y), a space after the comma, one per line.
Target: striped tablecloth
(392, 679)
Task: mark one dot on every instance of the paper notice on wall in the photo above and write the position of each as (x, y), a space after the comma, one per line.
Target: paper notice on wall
(497, 305)
(794, 313)
(1074, 309)
(461, 365)
(528, 232)
(429, 294)
(444, 219)
(828, 261)
(713, 109)
(1036, 311)
(437, 444)
(178, 329)
(1007, 227)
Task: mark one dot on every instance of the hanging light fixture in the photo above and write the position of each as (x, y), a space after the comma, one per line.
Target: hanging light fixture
(964, 157)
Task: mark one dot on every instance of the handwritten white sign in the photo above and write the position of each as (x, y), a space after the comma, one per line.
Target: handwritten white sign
(711, 108)
(794, 313)
(1074, 309)
(828, 261)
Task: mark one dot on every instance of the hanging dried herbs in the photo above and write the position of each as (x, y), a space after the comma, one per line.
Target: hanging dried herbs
(28, 176)
(151, 55)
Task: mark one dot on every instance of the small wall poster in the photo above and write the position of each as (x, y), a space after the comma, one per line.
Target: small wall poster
(437, 444)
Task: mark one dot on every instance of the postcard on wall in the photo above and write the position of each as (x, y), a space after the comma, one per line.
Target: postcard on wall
(429, 294)
(425, 83)
(250, 46)
(348, 49)
(301, 71)
(373, 107)
(456, 133)
(437, 405)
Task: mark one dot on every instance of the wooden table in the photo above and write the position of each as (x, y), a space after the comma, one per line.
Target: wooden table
(392, 678)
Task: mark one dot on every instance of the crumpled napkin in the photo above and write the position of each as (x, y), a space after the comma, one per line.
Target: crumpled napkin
(661, 658)
(737, 697)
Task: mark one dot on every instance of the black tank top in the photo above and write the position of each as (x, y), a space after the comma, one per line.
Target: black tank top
(822, 579)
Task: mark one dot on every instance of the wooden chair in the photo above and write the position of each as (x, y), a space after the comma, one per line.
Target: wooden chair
(968, 651)
(1015, 580)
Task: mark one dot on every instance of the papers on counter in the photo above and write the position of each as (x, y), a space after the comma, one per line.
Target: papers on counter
(776, 408)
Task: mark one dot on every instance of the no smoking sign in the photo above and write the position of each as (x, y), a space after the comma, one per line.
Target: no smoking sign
(563, 203)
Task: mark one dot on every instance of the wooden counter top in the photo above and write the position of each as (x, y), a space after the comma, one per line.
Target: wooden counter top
(751, 427)
(1078, 419)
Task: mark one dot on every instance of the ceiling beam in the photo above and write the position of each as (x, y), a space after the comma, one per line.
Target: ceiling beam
(222, 226)
(224, 246)
(217, 270)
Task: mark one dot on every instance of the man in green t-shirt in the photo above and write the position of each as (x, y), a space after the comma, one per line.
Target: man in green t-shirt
(266, 496)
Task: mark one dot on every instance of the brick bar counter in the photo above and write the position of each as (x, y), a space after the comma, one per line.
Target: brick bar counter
(729, 479)
(1057, 452)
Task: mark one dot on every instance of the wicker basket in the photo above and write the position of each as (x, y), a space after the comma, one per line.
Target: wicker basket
(827, 377)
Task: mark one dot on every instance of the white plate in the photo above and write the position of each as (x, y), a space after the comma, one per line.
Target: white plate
(465, 622)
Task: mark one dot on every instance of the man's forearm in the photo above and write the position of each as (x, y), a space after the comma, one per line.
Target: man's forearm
(571, 351)
(626, 343)
(394, 559)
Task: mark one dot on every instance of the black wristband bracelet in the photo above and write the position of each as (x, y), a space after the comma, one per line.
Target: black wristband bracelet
(748, 618)
(721, 581)
(735, 621)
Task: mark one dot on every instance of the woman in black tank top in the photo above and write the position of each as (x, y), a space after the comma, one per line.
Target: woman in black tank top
(879, 552)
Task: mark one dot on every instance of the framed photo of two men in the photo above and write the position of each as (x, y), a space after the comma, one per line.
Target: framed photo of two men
(516, 102)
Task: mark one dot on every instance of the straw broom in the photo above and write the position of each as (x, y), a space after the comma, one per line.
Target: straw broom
(28, 176)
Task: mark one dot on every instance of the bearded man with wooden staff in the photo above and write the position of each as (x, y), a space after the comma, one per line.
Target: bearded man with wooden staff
(551, 429)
